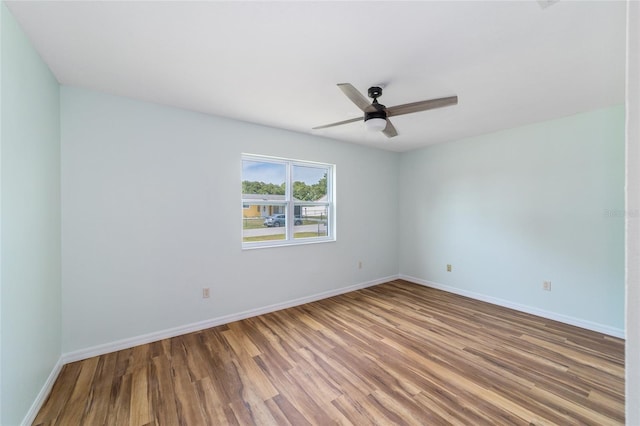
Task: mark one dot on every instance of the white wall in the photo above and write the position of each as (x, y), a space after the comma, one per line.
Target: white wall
(514, 208)
(30, 248)
(151, 214)
(632, 361)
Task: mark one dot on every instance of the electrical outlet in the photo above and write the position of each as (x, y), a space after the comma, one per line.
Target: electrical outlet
(360, 264)
(448, 268)
(205, 293)
(546, 285)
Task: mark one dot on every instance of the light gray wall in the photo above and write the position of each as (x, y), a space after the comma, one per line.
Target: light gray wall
(151, 214)
(30, 248)
(512, 209)
(632, 361)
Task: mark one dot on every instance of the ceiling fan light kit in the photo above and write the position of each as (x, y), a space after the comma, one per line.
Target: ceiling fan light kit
(376, 115)
(375, 124)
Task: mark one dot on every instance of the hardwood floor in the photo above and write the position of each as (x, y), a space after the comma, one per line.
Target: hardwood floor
(396, 353)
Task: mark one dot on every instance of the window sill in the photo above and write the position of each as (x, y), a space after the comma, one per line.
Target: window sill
(300, 242)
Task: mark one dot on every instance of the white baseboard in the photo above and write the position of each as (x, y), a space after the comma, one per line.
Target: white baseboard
(43, 394)
(589, 325)
(213, 322)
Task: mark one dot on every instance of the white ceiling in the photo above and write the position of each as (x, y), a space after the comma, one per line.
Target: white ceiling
(278, 63)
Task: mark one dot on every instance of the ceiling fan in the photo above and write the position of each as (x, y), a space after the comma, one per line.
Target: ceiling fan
(376, 116)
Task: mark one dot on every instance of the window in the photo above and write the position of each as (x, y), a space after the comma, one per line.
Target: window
(286, 202)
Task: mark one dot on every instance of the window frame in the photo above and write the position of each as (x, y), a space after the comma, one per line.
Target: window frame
(290, 203)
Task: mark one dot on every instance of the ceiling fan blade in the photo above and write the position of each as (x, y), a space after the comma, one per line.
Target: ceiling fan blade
(390, 131)
(355, 96)
(421, 106)
(339, 123)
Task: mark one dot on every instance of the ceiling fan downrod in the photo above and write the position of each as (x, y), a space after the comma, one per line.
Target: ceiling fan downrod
(378, 110)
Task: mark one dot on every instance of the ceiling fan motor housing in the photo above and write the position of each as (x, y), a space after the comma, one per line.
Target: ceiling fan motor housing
(378, 113)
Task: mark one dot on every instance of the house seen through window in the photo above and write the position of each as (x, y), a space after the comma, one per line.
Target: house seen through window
(286, 201)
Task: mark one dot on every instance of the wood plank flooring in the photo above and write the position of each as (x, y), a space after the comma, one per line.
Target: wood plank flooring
(397, 353)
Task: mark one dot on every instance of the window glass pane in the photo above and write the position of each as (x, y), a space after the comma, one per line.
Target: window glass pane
(309, 183)
(262, 180)
(286, 202)
(266, 222)
(312, 220)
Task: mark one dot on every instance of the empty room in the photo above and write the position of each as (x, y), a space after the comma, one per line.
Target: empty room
(271, 213)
